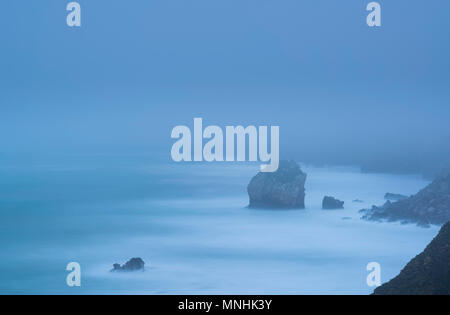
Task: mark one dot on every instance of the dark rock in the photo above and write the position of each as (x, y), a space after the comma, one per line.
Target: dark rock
(284, 188)
(431, 205)
(358, 200)
(427, 274)
(134, 264)
(332, 203)
(394, 197)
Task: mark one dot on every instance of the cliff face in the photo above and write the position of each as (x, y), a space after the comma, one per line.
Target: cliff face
(431, 205)
(428, 273)
(284, 188)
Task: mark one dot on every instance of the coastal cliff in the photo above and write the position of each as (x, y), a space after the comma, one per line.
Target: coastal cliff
(426, 274)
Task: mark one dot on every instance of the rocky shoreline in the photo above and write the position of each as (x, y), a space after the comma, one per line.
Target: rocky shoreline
(431, 205)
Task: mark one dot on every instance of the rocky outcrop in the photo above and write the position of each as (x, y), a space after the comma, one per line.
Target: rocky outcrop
(134, 264)
(329, 203)
(431, 205)
(428, 273)
(394, 197)
(283, 189)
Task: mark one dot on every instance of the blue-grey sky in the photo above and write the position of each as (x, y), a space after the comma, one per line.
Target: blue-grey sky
(340, 91)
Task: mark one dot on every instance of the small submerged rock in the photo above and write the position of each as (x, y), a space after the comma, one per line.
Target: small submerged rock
(134, 264)
(358, 200)
(329, 203)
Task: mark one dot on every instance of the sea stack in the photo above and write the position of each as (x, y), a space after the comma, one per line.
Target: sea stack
(283, 189)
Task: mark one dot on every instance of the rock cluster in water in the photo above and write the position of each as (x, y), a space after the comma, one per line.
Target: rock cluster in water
(428, 273)
(330, 203)
(284, 188)
(431, 205)
(394, 197)
(134, 264)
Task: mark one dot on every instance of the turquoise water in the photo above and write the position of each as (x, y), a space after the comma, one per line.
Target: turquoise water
(190, 224)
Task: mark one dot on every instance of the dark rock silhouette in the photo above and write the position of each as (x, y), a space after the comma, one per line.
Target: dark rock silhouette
(284, 188)
(427, 274)
(329, 203)
(431, 205)
(134, 264)
(394, 197)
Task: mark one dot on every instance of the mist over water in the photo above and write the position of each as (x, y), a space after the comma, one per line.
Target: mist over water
(190, 224)
(341, 92)
(81, 108)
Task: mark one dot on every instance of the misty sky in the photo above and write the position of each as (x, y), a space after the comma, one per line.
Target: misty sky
(340, 91)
